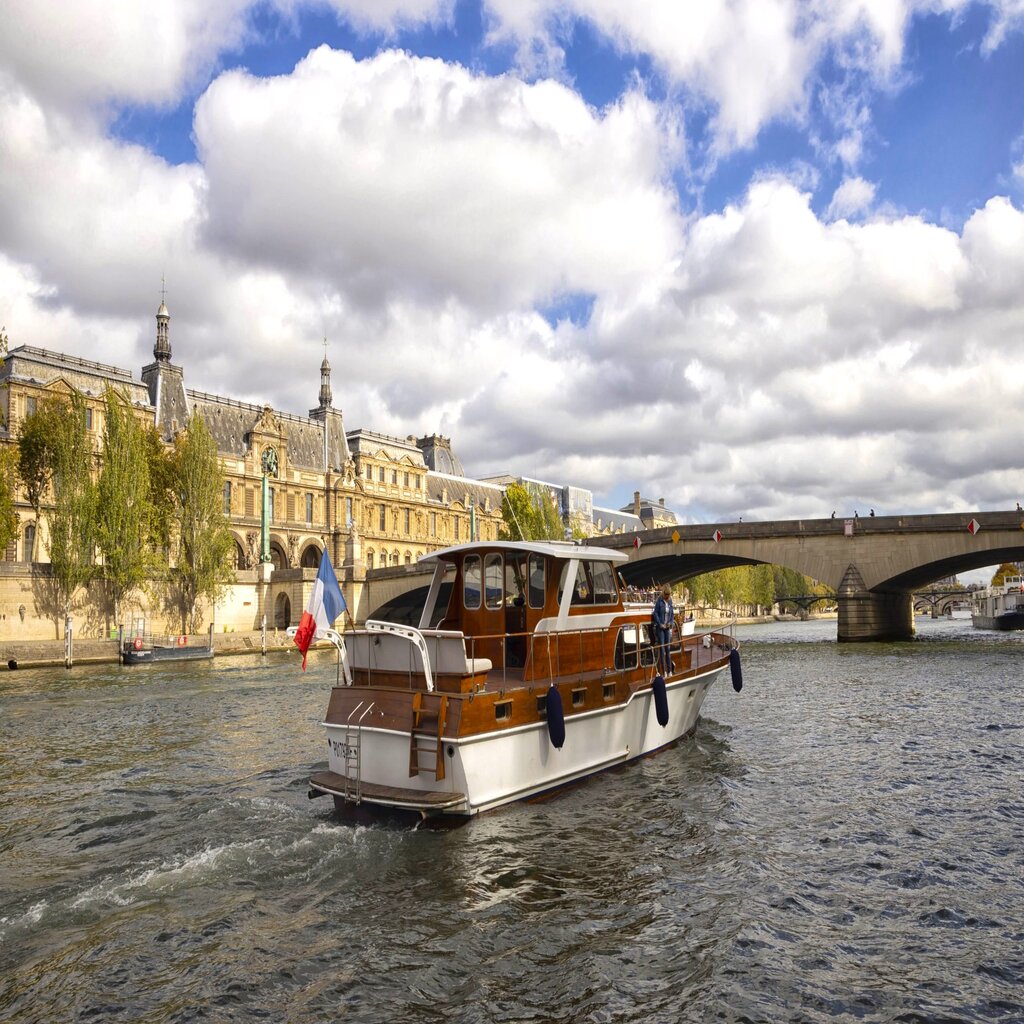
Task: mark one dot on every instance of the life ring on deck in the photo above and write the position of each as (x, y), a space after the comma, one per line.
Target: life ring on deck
(182, 640)
(138, 643)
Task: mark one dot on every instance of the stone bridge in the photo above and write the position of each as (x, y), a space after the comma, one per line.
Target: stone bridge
(874, 564)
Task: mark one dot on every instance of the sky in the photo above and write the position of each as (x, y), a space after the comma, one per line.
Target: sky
(761, 258)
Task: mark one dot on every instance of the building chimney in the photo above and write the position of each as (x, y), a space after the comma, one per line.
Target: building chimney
(636, 504)
(661, 502)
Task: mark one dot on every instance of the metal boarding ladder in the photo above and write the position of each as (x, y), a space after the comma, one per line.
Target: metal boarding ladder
(352, 769)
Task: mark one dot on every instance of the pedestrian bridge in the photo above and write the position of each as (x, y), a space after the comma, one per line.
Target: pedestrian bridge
(874, 564)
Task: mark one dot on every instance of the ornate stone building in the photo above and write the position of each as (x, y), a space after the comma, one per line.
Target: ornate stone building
(375, 501)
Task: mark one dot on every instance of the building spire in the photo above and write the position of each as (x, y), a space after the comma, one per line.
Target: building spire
(325, 381)
(162, 348)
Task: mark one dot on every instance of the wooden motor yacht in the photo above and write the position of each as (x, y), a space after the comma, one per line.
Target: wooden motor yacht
(527, 672)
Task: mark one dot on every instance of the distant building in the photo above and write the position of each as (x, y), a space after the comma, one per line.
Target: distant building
(579, 514)
(650, 513)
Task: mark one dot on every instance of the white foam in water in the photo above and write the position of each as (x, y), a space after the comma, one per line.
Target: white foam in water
(33, 915)
(165, 876)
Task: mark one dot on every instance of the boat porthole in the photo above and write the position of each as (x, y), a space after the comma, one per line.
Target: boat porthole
(451, 751)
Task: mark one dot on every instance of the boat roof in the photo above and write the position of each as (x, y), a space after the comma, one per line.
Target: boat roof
(553, 548)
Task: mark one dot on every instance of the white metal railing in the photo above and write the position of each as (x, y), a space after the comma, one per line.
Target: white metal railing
(411, 635)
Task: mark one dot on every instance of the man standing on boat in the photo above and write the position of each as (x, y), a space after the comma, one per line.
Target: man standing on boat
(661, 621)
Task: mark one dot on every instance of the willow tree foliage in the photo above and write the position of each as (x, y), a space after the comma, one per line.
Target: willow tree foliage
(72, 533)
(125, 510)
(205, 542)
(530, 513)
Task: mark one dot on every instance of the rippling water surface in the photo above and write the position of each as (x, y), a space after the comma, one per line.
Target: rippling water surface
(842, 841)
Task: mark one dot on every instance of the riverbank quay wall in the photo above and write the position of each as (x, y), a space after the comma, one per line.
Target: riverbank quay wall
(29, 611)
(874, 563)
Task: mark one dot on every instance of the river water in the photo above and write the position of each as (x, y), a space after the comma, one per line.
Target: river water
(842, 841)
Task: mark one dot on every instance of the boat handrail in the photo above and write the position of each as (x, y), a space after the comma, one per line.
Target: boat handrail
(412, 635)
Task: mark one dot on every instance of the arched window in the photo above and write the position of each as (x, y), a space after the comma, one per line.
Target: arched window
(369, 559)
(282, 612)
(27, 550)
(227, 497)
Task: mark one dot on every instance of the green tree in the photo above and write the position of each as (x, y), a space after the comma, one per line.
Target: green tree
(530, 514)
(788, 582)
(73, 519)
(762, 585)
(1006, 569)
(205, 541)
(8, 466)
(703, 590)
(517, 512)
(125, 509)
(160, 468)
(35, 467)
(8, 516)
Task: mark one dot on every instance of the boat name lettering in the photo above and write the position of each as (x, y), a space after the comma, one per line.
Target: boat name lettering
(341, 749)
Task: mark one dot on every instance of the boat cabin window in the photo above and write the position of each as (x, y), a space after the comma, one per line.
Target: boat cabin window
(471, 580)
(627, 647)
(594, 584)
(536, 581)
(646, 645)
(493, 581)
(515, 580)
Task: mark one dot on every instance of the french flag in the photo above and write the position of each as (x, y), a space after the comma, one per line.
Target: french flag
(326, 603)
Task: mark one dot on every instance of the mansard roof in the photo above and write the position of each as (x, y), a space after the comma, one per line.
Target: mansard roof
(230, 422)
(616, 519)
(373, 445)
(445, 488)
(29, 365)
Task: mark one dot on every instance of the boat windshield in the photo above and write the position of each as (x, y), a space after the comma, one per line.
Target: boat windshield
(594, 584)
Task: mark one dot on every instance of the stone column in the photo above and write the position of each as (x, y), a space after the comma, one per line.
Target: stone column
(872, 615)
(265, 522)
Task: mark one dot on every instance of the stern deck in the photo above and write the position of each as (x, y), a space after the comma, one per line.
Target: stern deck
(334, 784)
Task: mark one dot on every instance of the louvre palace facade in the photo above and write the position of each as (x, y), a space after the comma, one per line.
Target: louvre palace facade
(376, 501)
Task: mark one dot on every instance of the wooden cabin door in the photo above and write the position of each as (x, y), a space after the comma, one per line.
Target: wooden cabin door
(483, 605)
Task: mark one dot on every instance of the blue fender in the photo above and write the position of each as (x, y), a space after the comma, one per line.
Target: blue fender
(736, 669)
(556, 717)
(660, 700)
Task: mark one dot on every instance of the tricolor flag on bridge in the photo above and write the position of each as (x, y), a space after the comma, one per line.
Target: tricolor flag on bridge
(326, 603)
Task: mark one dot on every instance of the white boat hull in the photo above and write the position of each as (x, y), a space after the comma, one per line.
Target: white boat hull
(497, 768)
